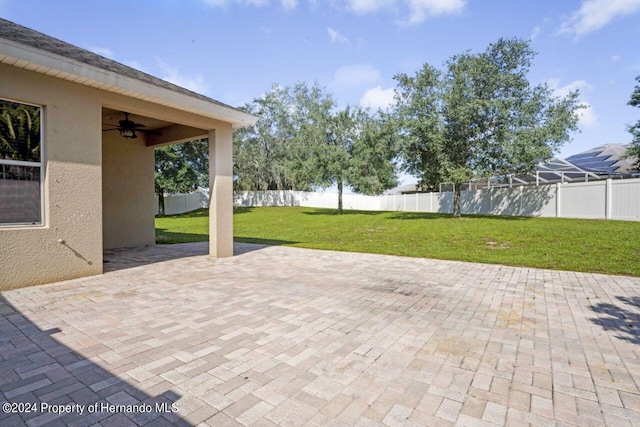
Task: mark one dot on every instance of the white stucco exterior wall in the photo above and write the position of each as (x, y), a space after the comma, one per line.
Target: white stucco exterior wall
(127, 192)
(71, 146)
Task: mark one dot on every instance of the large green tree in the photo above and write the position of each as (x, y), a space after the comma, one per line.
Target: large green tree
(261, 155)
(634, 147)
(480, 116)
(181, 168)
(274, 154)
(358, 150)
(302, 140)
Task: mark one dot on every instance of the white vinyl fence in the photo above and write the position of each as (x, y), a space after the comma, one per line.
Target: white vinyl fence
(181, 203)
(608, 199)
(306, 199)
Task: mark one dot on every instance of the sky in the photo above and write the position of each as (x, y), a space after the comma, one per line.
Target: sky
(235, 50)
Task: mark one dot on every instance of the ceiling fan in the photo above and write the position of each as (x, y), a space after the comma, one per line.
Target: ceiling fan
(128, 128)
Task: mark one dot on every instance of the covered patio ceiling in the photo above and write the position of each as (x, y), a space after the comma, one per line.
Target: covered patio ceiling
(164, 132)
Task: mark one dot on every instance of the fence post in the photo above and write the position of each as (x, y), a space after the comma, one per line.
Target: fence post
(521, 196)
(558, 199)
(608, 197)
(491, 201)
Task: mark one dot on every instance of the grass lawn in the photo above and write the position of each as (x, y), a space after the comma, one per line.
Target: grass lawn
(597, 246)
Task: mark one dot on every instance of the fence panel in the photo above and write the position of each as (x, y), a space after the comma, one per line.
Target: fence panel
(538, 201)
(423, 202)
(443, 202)
(583, 200)
(476, 202)
(411, 203)
(505, 201)
(625, 199)
(181, 203)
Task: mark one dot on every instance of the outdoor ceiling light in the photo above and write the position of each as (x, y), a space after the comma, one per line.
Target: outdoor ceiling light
(128, 133)
(127, 128)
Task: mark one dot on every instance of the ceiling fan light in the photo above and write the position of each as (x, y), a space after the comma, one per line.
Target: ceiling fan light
(127, 133)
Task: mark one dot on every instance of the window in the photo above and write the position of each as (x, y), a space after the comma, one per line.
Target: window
(20, 164)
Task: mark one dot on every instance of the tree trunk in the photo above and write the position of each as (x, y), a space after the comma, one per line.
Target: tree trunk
(161, 203)
(340, 196)
(456, 200)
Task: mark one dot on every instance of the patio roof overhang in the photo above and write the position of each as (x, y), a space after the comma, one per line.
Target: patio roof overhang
(59, 66)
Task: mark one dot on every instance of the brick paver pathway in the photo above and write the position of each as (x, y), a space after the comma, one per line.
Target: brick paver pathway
(284, 336)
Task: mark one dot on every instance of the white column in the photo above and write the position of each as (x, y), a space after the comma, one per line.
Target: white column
(221, 191)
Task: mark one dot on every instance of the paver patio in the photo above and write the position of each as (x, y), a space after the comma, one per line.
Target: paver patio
(285, 336)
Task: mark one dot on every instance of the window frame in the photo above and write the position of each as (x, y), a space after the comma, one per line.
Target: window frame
(40, 165)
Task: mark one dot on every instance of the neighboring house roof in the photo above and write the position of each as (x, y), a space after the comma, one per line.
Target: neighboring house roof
(604, 160)
(607, 158)
(596, 163)
(402, 189)
(23, 47)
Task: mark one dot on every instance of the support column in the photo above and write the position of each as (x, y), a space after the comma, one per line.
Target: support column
(221, 191)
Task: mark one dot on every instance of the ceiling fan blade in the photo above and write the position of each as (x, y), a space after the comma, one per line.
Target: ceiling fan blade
(150, 132)
(107, 130)
(139, 125)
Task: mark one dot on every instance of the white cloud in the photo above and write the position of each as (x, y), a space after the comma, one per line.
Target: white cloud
(336, 37)
(356, 75)
(595, 14)
(421, 9)
(193, 82)
(369, 6)
(289, 4)
(377, 97)
(558, 90)
(103, 51)
(535, 33)
(588, 117)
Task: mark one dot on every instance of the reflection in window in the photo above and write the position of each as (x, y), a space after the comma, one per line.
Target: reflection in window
(20, 163)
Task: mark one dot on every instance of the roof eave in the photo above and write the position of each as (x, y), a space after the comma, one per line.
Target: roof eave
(44, 62)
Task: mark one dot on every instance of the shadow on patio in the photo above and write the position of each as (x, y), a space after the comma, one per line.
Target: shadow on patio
(37, 370)
(624, 320)
(124, 258)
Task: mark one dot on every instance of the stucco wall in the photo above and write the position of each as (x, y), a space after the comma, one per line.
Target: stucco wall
(128, 190)
(72, 185)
